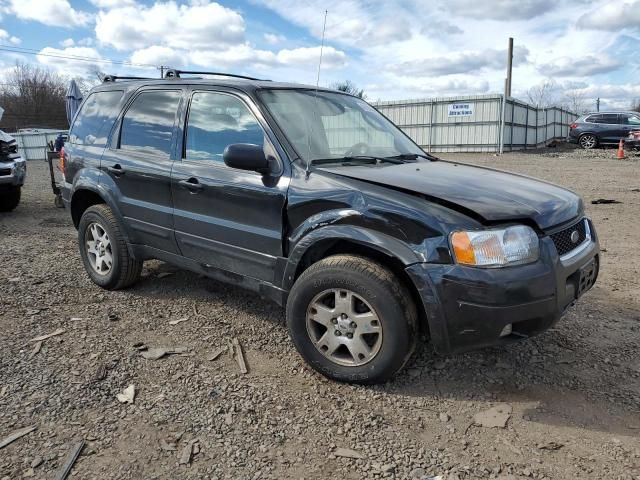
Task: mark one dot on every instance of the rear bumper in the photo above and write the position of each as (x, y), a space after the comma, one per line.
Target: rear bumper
(470, 307)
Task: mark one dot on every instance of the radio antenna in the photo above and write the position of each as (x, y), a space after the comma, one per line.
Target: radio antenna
(324, 28)
(315, 95)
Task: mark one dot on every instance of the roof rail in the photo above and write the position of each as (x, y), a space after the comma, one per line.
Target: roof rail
(113, 78)
(173, 73)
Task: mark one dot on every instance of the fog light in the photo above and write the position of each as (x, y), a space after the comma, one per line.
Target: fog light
(506, 330)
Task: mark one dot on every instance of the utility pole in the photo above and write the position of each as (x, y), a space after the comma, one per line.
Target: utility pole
(162, 69)
(598, 104)
(507, 93)
(509, 67)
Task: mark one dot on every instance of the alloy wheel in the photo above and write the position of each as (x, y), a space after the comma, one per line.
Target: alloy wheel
(588, 141)
(344, 327)
(98, 247)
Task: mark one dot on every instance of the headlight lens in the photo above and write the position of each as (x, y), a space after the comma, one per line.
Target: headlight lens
(496, 248)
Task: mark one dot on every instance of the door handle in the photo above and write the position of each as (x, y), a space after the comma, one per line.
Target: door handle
(191, 184)
(117, 170)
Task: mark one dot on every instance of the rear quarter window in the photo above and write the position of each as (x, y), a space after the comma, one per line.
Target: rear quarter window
(96, 118)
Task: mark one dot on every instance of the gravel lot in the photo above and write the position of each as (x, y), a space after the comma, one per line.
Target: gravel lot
(571, 396)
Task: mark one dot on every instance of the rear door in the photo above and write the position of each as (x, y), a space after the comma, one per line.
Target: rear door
(609, 128)
(138, 165)
(227, 218)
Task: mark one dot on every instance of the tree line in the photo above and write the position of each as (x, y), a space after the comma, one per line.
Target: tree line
(33, 97)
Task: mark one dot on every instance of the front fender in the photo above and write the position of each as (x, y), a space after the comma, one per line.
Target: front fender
(381, 242)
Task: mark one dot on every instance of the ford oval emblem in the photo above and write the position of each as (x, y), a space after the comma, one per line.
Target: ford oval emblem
(575, 236)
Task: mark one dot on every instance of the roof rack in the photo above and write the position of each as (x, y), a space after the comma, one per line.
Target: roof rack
(113, 78)
(173, 73)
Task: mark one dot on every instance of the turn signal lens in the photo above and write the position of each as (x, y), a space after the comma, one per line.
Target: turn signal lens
(462, 248)
(496, 248)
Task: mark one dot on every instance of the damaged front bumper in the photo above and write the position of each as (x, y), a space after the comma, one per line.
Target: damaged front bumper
(469, 307)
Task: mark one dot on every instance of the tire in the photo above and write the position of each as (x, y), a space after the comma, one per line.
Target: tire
(96, 249)
(9, 199)
(588, 141)
(372, 292)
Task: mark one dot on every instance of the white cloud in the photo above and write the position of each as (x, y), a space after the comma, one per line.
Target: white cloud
(500, 9)
(159, 55)
(331, 58)
(274, 38)
(109, 4)
(68, 42)
(350, 22)
(246, 56)
(51, 57)
(612, 16)
(462, 62)
(579, 66)
(57, 13)
(7, 37)
(200, 25)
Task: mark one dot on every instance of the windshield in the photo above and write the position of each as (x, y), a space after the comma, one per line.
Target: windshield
(326, 125)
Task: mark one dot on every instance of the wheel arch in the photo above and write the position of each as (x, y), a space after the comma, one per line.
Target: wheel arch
(85, 196)
(379, 252)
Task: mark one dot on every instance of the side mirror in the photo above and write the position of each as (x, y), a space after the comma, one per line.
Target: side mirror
(246, 156)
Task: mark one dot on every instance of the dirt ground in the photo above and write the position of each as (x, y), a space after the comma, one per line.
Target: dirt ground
(573, 392)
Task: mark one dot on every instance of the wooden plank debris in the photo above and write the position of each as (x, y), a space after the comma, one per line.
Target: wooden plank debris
(16, 435)
(73, 455)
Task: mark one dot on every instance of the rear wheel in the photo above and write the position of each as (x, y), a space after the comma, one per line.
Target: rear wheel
(588, 141)
(9, 199)
(352, 320)
(104, 250)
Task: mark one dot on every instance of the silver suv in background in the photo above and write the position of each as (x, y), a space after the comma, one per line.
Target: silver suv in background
(601, 128)
(13, 170)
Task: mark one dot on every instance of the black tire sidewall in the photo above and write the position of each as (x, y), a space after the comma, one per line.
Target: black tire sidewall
(9, 199)
(397, 338)
(106, 281)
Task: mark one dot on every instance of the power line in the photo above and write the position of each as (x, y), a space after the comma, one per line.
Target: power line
(31, 51)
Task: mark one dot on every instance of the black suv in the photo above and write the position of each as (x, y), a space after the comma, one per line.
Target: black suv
(601, 128)
(315, 200)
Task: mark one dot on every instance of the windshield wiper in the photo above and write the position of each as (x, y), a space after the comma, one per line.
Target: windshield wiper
(363, 159)
(413, 156)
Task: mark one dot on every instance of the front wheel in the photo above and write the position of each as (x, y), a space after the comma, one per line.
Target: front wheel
(352, 320)
(588, 141)
(9, 199)
(104, 250)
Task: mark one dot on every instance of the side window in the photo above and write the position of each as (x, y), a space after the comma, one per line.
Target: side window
(609, 118)
(95, 118)
(215, 121)
(631, 120)
(594, 119)
(147, 125)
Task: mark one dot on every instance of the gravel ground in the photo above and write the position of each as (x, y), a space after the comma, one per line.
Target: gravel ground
(570, 398)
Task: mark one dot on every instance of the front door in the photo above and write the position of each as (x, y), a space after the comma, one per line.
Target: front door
(139, 164)
(227, 218)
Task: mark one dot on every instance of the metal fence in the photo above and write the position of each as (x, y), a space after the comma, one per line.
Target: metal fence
(475, 123)
(33, 145)
(452, 124)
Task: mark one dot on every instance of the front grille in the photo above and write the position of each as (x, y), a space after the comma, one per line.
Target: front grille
(4, 172)
(562, 239)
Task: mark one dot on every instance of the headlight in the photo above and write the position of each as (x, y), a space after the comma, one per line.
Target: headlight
(496, 248)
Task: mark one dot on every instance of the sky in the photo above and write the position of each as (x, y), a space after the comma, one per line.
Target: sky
(394, 50)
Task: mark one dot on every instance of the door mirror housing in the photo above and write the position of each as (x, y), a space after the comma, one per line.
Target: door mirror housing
(246, 156)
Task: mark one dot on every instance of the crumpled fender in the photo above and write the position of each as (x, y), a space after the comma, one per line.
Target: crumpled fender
(331, 228)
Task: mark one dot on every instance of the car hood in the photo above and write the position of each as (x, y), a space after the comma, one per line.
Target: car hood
(493, 195)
